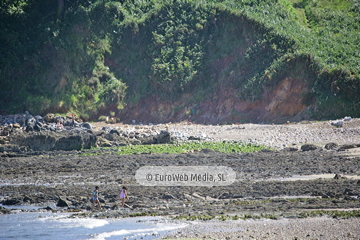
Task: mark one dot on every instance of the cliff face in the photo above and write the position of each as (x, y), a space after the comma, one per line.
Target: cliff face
(285, 102)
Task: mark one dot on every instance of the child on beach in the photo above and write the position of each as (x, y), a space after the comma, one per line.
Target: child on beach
(59, 124)
(95, 198)
(123, 195)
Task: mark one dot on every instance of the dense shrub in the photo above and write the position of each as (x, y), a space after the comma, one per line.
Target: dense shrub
(84, 55)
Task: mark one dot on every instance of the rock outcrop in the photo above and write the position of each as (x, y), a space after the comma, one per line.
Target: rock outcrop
(24, 132)
(49, 141)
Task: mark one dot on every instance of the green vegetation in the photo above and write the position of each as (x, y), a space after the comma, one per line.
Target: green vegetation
(100, 55)
(225, 147)
(195, 217)
(142, 214)
(330, 213)
(175, 148)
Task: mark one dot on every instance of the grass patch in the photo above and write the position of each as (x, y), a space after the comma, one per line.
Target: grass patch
(330, 213)
(224, 147)
(195, 217)
(142, 214)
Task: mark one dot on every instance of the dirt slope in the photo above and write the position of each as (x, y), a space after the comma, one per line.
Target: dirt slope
(284, 102)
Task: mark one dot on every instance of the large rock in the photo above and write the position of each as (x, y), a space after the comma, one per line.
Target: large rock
(12, 201)
(114, 136)
(49, 117)
(103, 142)
(163, 137)
(30, 122)
(331, 146)
(337, 123)
(62, 203)
(147, 139)
(48, 141)
(308, 147)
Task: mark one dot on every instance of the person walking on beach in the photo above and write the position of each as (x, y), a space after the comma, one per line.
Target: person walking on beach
(95, 198)
(59, 124)
(123, 195)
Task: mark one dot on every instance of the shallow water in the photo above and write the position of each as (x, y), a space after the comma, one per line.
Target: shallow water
(60, 226)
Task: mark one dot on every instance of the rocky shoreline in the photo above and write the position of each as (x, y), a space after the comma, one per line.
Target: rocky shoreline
(26, 133)
(268, 183)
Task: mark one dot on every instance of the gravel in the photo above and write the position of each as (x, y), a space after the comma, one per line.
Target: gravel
(311, 228)
(275, 136)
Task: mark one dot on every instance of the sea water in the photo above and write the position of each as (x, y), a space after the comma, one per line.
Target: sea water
(46, 225)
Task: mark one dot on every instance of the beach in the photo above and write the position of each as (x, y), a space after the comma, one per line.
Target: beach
(275, 195)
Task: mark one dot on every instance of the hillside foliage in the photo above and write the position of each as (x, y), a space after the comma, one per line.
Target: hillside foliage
(88, 56)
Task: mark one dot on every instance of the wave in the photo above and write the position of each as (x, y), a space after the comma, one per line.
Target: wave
(138, 232)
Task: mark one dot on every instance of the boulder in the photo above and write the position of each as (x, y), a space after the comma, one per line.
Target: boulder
(163, 137)
(114, 131)
(147, 139)
(193, 138)
(49, 117)
(47, 208)
(331, 146)
(12, 201)
(30, 122)
(39, 118)
(62, 203)
(337, 123)
(339, 176)
(167, 196)
(87, 126)
(290, 149)
(308, 147)
(106, 129)
(114, 136)
(103, 142)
